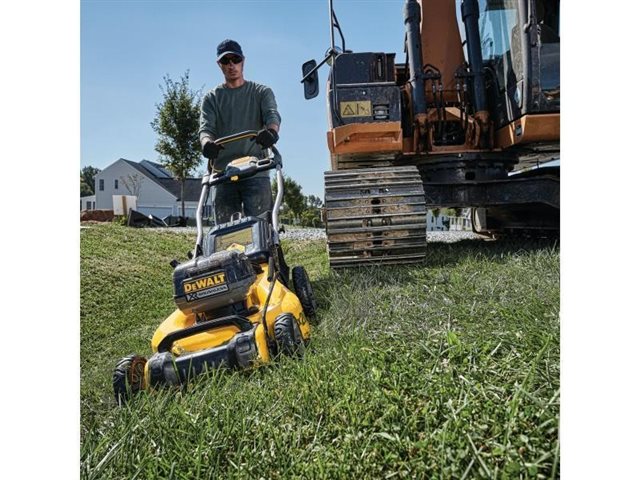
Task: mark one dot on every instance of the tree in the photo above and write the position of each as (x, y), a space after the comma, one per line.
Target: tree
(133, 183)
(177, 122)
(299, 209)
(314, 202)
(85, 190)
(311, 218)
(293, 199)
(87, 182)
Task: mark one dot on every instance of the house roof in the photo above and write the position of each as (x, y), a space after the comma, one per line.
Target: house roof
(192, 188)
(162, 177)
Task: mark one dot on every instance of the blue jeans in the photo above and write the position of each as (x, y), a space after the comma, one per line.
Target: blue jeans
(251, 197)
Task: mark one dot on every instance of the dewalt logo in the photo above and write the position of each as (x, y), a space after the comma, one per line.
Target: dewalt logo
(202, 283)
(204, 287)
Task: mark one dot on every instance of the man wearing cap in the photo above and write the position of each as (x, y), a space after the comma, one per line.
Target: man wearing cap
(232, 107)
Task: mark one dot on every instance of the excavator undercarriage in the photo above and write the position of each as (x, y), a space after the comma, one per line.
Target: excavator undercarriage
(375, 215)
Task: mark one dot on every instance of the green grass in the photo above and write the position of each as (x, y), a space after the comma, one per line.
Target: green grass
(447, 369)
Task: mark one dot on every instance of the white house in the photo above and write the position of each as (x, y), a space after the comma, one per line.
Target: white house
(445, 222)
(157, 191)
(436, 224)
(88, 202)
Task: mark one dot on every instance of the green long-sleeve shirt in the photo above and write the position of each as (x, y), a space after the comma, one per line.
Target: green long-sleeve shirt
(226, 111)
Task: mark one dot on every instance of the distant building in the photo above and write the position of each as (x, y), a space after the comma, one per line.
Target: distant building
(88, 202)
(444, 222)
(461, 223)
(157, 191)
(436, 223)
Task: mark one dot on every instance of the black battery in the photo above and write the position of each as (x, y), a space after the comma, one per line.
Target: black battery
(206, 283)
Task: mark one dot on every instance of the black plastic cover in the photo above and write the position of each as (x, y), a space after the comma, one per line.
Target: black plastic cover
(240, 352)
(206, 283)
(257, 251)
(367, 67)
(365, 89)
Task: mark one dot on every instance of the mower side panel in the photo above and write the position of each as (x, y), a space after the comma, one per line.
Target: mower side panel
(282, 300)
(178, 321)
(261, 343)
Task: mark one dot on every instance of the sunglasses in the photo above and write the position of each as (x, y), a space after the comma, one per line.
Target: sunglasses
(231, 58)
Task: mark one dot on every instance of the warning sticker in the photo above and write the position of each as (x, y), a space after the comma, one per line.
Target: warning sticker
(355, 109)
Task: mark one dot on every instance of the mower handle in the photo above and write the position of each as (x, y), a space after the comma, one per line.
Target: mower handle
(234, 173)
(236, 136)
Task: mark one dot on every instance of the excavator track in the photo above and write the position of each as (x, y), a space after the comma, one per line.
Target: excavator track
(375, 216)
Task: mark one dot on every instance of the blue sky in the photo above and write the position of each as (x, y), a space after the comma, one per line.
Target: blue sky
(128, 46)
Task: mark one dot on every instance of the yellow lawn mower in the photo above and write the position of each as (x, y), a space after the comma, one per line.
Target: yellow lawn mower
(236, 305)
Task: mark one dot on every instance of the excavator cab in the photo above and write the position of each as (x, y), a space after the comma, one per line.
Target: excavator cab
(464, 59)
(520, 48)
(469, 111)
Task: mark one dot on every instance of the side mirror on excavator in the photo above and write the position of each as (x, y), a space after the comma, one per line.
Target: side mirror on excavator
(310, 79)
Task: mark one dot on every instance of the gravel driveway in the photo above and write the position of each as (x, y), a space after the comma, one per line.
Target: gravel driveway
(319, 234)
(295, 233)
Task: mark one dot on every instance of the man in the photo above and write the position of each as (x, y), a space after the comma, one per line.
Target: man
(232, 107)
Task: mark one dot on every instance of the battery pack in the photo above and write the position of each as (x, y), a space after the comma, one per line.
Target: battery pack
(206, 283)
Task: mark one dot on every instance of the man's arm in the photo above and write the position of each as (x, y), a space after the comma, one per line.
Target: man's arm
(270, 117)
(208, 130)
(269, 109)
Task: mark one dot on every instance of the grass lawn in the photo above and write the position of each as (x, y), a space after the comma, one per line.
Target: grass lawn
(447, 369)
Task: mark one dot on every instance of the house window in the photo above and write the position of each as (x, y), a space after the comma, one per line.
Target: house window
(101, 184)
(88, 205)
(115, 184)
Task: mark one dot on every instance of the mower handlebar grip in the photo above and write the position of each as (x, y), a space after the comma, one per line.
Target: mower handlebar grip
(234, 173)
(236, 136)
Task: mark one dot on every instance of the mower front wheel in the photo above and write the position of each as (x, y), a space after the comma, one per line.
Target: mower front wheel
(128, 377)
(289, 339)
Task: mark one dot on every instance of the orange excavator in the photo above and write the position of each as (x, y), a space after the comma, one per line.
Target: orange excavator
(471, 118)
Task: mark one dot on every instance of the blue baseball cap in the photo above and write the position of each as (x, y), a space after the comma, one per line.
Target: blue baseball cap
(229, 46)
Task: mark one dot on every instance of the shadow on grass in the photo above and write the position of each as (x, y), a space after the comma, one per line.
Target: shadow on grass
(440, 255)
(444, 263)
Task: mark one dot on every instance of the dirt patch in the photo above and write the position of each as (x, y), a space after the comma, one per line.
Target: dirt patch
(96, 215)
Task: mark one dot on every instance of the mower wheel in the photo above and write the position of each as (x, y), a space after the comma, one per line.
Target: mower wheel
(288, 336)
(128, 377)
(302, 287)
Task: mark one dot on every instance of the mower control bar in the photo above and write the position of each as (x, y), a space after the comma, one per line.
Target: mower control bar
(236, 136)
(234, 173)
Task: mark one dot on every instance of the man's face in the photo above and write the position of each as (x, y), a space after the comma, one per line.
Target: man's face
(231, 66)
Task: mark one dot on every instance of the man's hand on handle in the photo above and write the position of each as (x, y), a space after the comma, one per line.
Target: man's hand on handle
(267, 137)
(211, 150)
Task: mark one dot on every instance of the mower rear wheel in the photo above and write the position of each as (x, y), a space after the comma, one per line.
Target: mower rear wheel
(288, 336)
(304, 292)
(128, 377)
